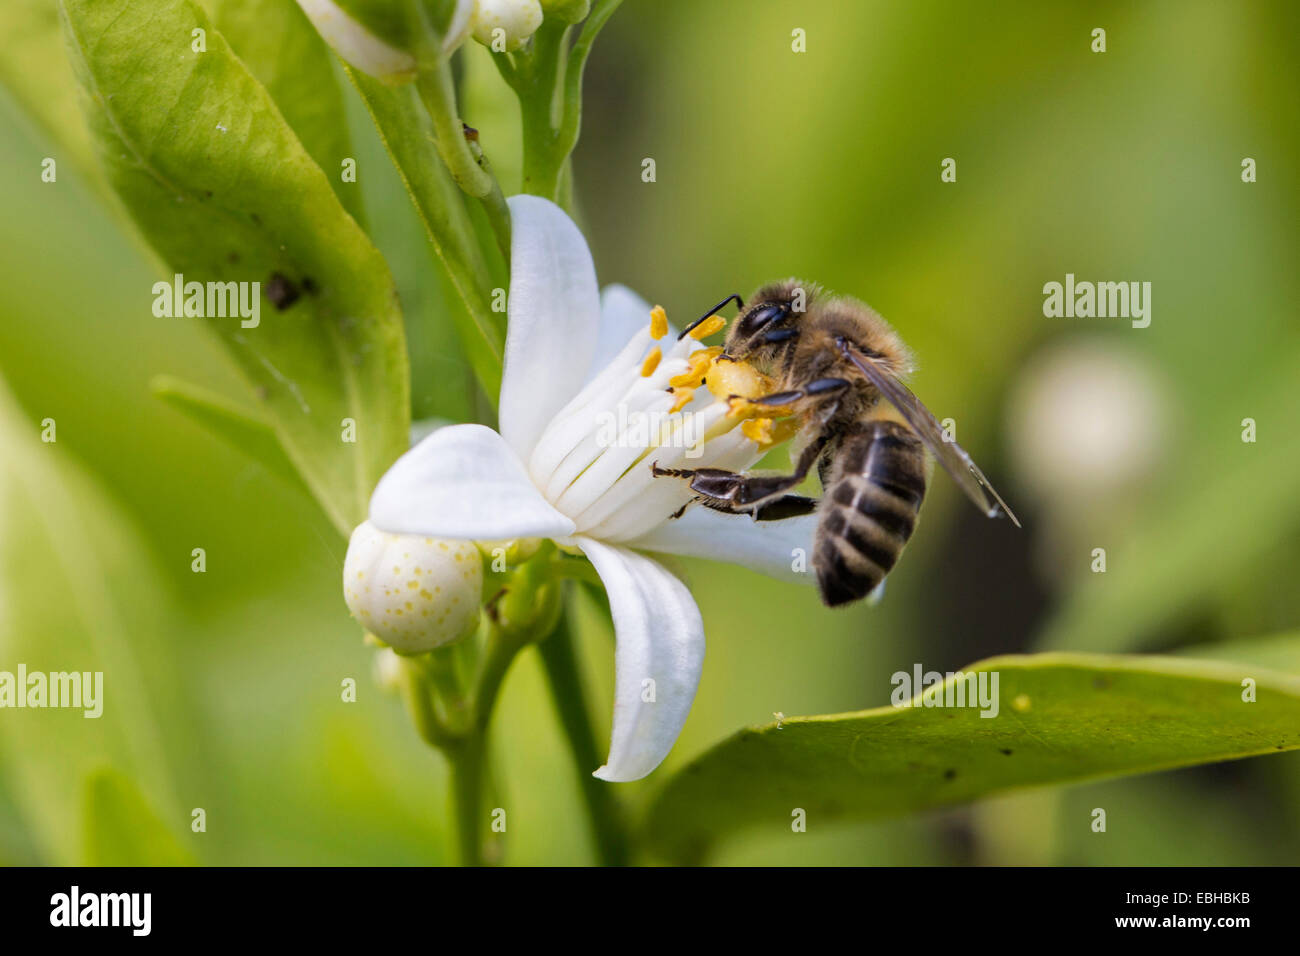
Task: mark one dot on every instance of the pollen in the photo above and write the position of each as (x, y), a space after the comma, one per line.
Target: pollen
(758, 430)
(700, 362)
(708, 327)
(651, 361)
(658, 322)
(681, 396)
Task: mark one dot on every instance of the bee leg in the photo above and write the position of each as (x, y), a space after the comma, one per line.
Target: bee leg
(787, 506)
(733, 491)
(821, 387)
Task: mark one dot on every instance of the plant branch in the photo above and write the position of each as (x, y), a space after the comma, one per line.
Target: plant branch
(606, 815)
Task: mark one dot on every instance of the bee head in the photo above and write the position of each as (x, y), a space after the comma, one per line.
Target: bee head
(769, 323)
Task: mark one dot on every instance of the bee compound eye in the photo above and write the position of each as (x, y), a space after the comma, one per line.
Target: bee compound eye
(761, 317)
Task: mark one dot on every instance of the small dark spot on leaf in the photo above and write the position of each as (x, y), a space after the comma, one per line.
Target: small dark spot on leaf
(950, 774)
(232, 257)
(207, 194)
(1004, 750)
(309, 285)
(471, 133)
(1101, 683)
(257, 220)
(282, 291)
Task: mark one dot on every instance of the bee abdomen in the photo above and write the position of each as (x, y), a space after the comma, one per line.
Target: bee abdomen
(869, 511)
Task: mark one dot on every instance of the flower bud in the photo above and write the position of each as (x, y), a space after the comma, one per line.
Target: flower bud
(518, 19)
(367, 35)
(413, 593)
(391, 39)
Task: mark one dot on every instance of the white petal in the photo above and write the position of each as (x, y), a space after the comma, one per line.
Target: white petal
(463, 481)
(774, 548)
(623, 314)
(659, 638)
(554, 318)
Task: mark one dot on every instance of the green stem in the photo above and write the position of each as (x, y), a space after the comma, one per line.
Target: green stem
(438, 92)
(500, 654)
(571, 118)
(467, 762)
(461, 153)
(419, 702)
(607, 823)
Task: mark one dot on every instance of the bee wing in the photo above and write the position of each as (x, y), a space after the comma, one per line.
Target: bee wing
(948, 453)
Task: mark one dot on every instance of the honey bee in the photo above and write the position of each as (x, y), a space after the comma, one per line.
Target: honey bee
(830, 361)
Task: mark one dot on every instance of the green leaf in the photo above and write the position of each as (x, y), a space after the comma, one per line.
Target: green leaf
(79, 593)
(35, 69)
(281, 48)
(1062, 718)
(241, 427)
(120, 828)
(224, 191)
(408, 135)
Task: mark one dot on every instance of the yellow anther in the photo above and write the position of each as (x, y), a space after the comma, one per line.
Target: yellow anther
(698, 366)
(758, 430)
(680, 397)
(651, 362)
(658, 322)
(708, 327)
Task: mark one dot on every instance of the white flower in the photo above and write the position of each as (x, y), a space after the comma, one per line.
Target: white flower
(576, 360)
(516, 19)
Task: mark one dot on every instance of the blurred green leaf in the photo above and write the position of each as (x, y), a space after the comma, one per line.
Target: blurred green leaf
(1062, 718)
(34, 68)
(1277, 652)
(120, 829)
(241, 427)
(78, 593)
(281, 48)
(224, 191)
(408, 135)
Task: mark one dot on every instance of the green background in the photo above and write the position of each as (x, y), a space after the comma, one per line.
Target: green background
(1117, 166)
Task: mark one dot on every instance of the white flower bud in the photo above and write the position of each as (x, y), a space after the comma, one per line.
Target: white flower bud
(519, 19)
(413, 593)
(363, 45)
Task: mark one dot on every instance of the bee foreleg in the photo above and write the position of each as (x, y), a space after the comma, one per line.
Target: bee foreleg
(818, 389)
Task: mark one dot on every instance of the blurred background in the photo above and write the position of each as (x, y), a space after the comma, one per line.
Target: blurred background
(1122, 166)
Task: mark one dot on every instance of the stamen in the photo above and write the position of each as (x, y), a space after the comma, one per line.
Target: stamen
(740, 407)
(681, 396)
(708, 327)
(658, 322)
(758, 430)
(767, 432)
(651, 362)
(699, 361)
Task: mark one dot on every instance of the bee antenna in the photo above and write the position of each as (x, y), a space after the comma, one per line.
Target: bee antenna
(740, 304)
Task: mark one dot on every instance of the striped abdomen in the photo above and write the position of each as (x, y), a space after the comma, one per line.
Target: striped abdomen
(868, 509)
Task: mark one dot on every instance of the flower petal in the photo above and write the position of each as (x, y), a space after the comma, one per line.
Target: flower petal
(774, 548)
(554, 319)
(463, 481)
(657, 661)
